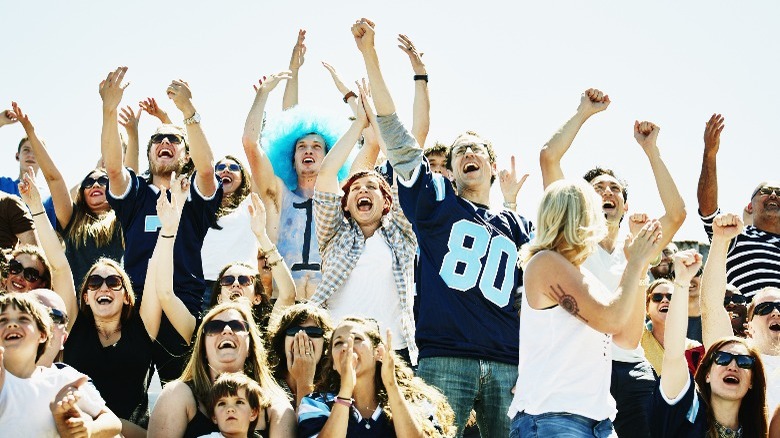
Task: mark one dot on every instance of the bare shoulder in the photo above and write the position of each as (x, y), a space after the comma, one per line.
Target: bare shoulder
(177, 393)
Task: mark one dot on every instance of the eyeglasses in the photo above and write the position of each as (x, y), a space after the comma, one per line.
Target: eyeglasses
(89, 181)
(58, 317)
(172, 138)
(312, 332)
(476, 148)
(243, 280)
(766, 308)
(114, 282)
(724, 358)
(30, 274)
(766, 191)
(736, 299)
(216, 326)
(657, 297)
(233, 167)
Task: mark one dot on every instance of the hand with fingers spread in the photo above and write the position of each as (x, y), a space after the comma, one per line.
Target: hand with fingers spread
(129, 120)
(726, 227)
(363, 32)
(299, 51)
(302, 363)
(414, 56)
(150, 106)
(257, 216)
(712, 132)
(336, 79)
(593, 101)
(7, 117)
(385, 353)
(510, 185)
(346, 365)
(645, 243)
(111, 89)
(268, 83)
(646, 134)
(181, 95)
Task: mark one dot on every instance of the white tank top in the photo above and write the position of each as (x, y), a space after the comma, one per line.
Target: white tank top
(565, 366)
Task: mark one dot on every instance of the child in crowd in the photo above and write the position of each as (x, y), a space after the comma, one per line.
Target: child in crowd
(234, 404)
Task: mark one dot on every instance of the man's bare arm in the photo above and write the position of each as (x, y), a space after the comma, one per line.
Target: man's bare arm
(707, 191)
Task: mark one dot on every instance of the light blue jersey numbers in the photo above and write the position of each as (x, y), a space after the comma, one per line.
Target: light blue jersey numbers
(462, 266)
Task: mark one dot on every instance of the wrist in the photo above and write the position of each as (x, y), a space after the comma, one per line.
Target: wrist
(510, 204)
(187, 110)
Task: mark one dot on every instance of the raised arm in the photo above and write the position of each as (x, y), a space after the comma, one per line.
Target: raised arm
(421, 110)
(404, 422)
(347, 95)
(707, 191)
(63, 205)
(111, 91)
(290, 98)
(592, 101)
(129, 121)
(61, 275)
(715, 320)
(150, 106)
(268, 184)
(373, 143)
(510, 185)
(631, 335)
(200, 151)
(675, 367)
(363, 32)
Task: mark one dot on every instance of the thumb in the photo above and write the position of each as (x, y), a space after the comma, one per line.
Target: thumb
(78, 382)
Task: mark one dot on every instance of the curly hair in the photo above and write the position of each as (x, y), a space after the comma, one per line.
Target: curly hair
(281, 134)
(294, 315)
(416, 392)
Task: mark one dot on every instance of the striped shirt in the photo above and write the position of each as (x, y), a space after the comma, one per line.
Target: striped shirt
(753, 260)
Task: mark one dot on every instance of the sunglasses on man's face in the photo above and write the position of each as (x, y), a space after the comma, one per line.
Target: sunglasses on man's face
(90, 181)
(114, 282)
(723, 358)
(172, 138)
(30, 274)
(766, 308)
(766, 191)
(736, 299)
(216, 326)
(58, 317)
(233, 167)
(657, 297)
(312, 332)
(243, 280)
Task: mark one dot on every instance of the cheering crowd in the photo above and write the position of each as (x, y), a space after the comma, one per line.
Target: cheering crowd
(346, 279)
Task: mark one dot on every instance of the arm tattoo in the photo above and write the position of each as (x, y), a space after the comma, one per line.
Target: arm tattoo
(567, 302)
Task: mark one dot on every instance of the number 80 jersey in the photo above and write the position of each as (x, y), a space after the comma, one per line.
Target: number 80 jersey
(468, 274)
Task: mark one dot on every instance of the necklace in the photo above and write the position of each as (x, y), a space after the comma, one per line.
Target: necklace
(108, 335)
(725, 432)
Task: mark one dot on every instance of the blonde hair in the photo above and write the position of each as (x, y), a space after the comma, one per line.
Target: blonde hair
(569, 222)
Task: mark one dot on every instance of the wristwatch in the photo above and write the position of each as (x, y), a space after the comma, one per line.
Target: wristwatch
(192, 120)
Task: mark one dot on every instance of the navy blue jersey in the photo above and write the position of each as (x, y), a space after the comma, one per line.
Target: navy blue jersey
(468, 274)
(686, 418)
(137, 212)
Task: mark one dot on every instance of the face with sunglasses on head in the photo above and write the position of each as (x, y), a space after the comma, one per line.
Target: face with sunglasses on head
(764, 320)
(229, 173)
(105, 293)
(25, 272)
(93, 192)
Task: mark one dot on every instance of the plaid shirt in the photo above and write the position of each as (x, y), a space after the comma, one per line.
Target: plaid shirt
(341, 245)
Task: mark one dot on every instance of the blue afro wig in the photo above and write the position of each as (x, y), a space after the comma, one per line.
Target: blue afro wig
(281, 134)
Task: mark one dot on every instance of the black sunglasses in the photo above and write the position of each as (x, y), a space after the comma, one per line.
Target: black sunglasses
(233, 167)
(657, 297)
(58, 317)
(215, 326)
(172, 138)
(767, 190)
(312, 332)
(89, 181)
(243, 280)
(114, 282)
(724, 358)
(736, 299)
(30, 274)
(766, 308)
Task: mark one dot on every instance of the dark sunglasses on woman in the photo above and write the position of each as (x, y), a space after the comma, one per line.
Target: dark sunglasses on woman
(233, 167)
(312, 332)
(243, 280)
(723, 358)
(89, 181)
(30, 274)
(658, 297)
(114, 282)
(215, 326)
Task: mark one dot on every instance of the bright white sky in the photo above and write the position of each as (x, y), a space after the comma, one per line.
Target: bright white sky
(512, 71)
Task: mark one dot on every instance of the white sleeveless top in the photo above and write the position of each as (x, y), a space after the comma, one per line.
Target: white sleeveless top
(565, 366)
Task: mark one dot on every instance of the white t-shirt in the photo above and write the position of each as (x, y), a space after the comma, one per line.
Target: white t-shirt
(370, 291)
(24, 403)
(772, 373)
(235, 242)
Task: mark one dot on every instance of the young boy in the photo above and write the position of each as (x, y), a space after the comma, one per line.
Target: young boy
(437, 159)
(234, 403)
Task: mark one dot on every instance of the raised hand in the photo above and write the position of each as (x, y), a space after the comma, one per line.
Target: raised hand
(64, 403)
(593, 101)
(414, 56)
(361, 115)
(268, 83)
(345, 365)
(111, 89)
(302, 364)
(169, 212)
(726, 226)
(129, 120)
(257, 215)
(363, 32)
(150, 106)
(712, 132)
(388, 362)
(364, 101)
(336, 79)
(28, 191)
(22, 118)
(299, 51)
(645, 243)
(646, 134)
(686, 265)
(181, 95)
(510, 185)
(7, 117)
(636, 221)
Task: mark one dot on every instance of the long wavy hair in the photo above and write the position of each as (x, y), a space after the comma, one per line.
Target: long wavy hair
(255, 366)
(86, 224)
(419, 394)
(752, 409)
(231, 201)
(569, 222)
(127, 308)
(295, 315)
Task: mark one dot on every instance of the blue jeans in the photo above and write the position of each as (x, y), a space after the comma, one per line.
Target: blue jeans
(469, 383)
(559, 425)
